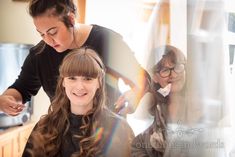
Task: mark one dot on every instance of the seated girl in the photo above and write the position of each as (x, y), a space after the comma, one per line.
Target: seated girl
(78, 123)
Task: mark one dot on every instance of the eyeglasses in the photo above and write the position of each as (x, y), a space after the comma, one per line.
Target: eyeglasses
(165, 72)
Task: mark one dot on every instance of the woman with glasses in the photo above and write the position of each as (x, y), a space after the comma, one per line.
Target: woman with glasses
(168, 93)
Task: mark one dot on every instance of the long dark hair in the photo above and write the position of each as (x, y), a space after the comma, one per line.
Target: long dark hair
(51, 129)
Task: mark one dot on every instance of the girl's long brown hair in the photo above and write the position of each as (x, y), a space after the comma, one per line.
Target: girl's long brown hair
(51, 129)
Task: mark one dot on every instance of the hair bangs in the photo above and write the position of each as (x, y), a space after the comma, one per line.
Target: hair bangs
(82, 65)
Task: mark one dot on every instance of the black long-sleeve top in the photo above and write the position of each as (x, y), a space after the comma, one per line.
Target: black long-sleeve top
(42, 68)
(116, 136)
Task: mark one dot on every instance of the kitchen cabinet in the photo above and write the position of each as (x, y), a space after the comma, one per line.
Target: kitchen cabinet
(13, 140)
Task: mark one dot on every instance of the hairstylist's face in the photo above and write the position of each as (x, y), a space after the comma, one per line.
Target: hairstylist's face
(81, 91)
(54, 32)
(176, 79)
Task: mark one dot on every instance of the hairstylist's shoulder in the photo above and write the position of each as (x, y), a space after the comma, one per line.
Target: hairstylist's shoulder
(108, 32)
(37, 53)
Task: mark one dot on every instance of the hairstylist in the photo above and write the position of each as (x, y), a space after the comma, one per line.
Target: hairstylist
(55, 22)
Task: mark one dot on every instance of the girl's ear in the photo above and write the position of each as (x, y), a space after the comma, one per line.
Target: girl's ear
(71, 17)
(63, 83)
(99, 83)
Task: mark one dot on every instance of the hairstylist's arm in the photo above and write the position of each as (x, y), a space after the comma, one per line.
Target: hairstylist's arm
(11, 102)
(128, 102)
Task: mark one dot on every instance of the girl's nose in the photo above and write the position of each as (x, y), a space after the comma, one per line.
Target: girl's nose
(79, 84)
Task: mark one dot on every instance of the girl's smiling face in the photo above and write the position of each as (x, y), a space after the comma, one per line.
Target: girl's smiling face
(81, 91)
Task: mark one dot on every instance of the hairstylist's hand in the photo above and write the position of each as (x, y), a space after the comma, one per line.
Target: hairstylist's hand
(10, 106)
(126, 103)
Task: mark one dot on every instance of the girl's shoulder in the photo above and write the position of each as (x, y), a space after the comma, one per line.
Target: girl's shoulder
(112, 120)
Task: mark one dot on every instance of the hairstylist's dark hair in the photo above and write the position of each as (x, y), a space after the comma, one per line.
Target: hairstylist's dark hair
(48, 136)
(60, 8)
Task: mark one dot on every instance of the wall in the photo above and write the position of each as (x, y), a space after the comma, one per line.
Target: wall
(17, 26)
(178, 19)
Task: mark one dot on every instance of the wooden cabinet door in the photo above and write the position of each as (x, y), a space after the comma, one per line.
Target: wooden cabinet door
(13, 140)
(23, 137)
(9, 146)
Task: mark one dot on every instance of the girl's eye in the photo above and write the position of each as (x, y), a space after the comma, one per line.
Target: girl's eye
(72, 78)
(88, 78)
